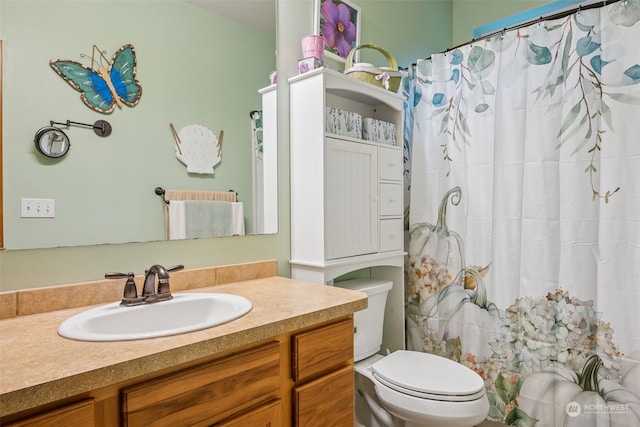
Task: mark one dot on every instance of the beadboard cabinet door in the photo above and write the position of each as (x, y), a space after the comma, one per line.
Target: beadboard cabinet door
(351, 181)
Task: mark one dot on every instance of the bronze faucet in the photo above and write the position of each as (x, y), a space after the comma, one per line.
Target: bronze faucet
(149, 293)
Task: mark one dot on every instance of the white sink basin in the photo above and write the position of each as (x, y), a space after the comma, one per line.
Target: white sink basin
(183, 313)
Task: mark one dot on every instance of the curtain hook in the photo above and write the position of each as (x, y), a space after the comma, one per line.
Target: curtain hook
(503, 32)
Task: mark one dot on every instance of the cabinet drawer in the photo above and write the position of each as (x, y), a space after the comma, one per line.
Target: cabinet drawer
(390, 164)
(390, 199)
(269, 415)
(322, 350)
(326, 401)
(207, 393)
(391, 235)
(80, 414)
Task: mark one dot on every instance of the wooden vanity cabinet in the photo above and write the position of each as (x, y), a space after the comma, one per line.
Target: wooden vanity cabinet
(302, 378)
(322, 370)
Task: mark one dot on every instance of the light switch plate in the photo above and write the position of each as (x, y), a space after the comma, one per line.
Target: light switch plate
(37, 208)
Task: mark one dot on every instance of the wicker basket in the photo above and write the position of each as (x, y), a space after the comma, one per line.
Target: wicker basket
(384, 77)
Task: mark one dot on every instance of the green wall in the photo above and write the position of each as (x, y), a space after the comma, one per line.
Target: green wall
(409, 29)
(469, 14)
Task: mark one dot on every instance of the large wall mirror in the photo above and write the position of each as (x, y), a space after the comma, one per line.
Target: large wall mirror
(199, 62)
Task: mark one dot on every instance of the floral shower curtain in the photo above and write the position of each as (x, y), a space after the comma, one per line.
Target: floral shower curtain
(524, 252)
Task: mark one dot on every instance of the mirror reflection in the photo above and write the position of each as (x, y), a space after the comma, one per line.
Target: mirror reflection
(199, 63)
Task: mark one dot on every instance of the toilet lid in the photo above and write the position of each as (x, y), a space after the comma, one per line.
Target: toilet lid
(428, 376)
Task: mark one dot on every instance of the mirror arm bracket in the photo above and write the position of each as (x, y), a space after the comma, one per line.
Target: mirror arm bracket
(100, 127)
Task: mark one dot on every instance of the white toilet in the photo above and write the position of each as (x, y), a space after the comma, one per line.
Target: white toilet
(408, 388)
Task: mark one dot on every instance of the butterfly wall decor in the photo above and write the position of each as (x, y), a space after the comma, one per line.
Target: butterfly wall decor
(108, 83)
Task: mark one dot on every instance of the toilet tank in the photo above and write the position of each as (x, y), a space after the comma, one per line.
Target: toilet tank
(368, 322)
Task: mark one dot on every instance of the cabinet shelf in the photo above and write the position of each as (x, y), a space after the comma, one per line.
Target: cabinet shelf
(344, 86)
(362, 141)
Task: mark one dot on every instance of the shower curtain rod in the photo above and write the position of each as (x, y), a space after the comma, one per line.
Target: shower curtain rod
(557, 15)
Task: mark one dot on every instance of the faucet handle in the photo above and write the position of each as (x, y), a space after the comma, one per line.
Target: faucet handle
(117, 275)
(130, 294)
(164, 290)
(175, 268)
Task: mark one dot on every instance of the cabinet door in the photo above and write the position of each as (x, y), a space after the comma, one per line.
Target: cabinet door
(207, 393)
(269, 415)
(79, 414)
(326, 401)
(322, 350)
(351, 187)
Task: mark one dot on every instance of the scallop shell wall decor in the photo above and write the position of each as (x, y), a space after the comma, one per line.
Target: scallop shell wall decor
(198, 148)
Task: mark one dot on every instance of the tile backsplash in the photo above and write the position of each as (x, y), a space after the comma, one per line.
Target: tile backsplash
(41, 300)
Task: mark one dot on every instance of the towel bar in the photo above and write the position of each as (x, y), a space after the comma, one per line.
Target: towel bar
(161, 192)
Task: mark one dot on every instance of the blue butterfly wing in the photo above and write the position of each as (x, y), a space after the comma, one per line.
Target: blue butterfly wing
(94, 90)
(123, 75)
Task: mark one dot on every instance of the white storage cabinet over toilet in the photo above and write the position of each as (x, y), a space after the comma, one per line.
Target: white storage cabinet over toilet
(346, 192)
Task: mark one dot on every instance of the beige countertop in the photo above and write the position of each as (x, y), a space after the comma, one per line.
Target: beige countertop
(37, 366)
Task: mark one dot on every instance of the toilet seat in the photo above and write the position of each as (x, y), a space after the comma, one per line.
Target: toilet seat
(428, 376)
